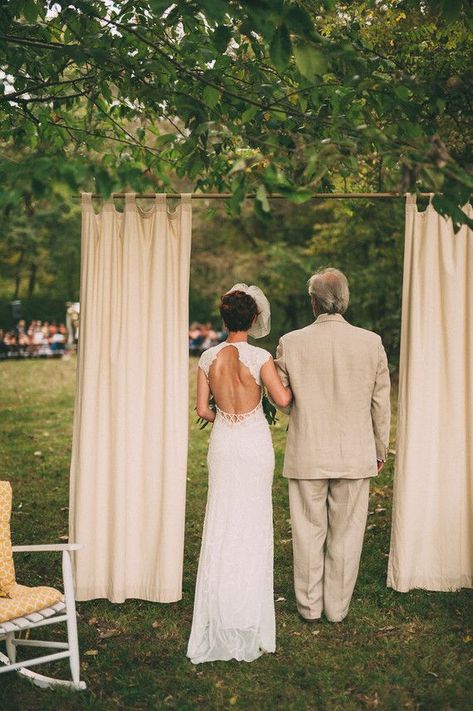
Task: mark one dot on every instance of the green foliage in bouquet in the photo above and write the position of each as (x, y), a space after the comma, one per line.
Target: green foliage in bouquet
(201, 421)
(269, 410)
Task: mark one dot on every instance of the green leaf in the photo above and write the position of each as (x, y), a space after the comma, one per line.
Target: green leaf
(280, 48)
(30, 10)
(275, 178)
(450, 9)
(221, 37)
(213, 9)
(194, 167)
(238, 188)
(159, 6)
(411, 130)
(464, 178)
(264, 16)
(165, 138)
(279, 116)
(211, 96)
(103, 181)
(100, 54)
(299, 21)
(302, 99)
(249, 114)
(434, 178)
(269, 410)
(309, 60)
(262, 197)
(447, 207)
(296, 194)
(402, 92)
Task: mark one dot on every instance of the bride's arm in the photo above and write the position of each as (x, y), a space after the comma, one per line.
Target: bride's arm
(280, 394)
(203, 395)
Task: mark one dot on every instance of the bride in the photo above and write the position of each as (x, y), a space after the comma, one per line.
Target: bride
(234, 605)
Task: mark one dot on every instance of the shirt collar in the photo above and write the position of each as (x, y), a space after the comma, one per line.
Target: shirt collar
(329, 317)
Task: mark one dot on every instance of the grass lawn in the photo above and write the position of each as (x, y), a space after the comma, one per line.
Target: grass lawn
(394, 651)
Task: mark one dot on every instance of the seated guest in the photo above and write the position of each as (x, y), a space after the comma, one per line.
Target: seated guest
(11, 342)
(206, 337)
(3, 345)
(195, 338)
(57, 343)
(37, 338)
(44, 349)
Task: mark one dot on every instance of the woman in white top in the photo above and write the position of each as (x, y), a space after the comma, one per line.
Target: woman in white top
(234, 604)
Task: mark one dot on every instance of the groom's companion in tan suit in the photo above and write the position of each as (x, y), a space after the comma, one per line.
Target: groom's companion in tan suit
(337, 440)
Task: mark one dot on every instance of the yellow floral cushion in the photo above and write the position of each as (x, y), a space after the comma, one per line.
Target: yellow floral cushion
(7, 569)
(23, 601)
(16, 600)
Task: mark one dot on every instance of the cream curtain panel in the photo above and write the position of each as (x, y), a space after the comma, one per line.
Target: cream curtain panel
(432, 533)
(129, 459)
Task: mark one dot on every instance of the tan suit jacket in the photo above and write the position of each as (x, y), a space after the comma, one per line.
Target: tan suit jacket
(340, 416)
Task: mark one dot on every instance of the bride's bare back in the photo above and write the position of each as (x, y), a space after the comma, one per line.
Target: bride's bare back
(234, 373)
(233, 386)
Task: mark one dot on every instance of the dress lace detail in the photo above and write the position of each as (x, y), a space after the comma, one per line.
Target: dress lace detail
(236, 418)
(251, 356)
(234, 603)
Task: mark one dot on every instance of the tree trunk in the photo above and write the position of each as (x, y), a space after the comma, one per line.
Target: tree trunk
(18, 274)
(32, 279)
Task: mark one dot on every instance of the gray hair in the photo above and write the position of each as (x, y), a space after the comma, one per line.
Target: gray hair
(328, 288)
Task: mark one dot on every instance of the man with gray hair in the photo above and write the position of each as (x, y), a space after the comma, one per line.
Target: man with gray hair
(337, 440)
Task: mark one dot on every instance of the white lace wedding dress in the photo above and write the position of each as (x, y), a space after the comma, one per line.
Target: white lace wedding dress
(234, 604)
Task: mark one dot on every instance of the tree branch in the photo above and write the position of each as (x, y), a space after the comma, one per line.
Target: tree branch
(53, 97)
(46, 85)
(152, 151)
(12, 39)
(195, 75)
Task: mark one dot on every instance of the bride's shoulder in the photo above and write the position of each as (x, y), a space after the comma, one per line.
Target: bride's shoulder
(261, 354)
(213, 349)
(208, 356)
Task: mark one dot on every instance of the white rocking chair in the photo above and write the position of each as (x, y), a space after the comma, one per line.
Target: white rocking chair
(29, 608)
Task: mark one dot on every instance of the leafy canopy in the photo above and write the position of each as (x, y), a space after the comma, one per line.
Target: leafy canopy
(260, 95)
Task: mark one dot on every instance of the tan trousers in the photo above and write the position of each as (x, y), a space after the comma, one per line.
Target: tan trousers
(328, 519)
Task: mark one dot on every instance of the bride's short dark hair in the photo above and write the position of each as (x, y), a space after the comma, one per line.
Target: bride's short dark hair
(238, 310)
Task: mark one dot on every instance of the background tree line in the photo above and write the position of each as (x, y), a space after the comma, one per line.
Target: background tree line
(363, 238)
(41, 260)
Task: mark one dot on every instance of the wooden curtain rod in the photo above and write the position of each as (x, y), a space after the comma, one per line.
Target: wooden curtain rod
(273, 196)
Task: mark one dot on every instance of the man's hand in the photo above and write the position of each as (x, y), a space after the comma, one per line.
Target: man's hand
(380, 464)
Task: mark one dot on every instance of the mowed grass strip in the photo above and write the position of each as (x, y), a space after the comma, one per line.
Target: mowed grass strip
(394, 651)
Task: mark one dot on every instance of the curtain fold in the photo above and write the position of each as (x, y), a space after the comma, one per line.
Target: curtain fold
(432, 529)
(129, 458)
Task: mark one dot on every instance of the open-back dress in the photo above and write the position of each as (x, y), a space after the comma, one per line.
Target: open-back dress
(234, 603)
